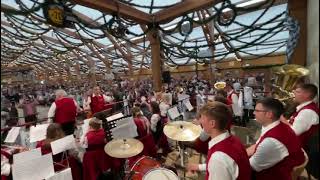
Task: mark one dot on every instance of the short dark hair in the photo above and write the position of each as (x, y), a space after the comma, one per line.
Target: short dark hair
(217, 111)
(155, 107)
(310, 88)
(274, 105)
(221, 99)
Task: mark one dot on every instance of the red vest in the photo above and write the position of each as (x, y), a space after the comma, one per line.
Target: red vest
(66, 111)
(141, 127)
(304, 137)
(96, 139)
(233, 148)
(97, 104)
(229, 97)
(282, 170)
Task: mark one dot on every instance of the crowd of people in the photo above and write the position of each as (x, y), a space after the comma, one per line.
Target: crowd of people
(282, 145)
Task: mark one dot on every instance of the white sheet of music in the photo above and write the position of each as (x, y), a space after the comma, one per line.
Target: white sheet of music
(173, 112)
(12, 135)
(125, 129)
(63, 144)
(36, 169)
(125, 121)
(38, 133)
(116, 116)
(183, 96)
(27, 156)
(188, 104)
(62, 175)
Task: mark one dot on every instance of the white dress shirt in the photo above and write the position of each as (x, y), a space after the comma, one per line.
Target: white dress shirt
(154, 120)
(248, 97)
(269, 152)
(5, 166)
(220, 166)
(164, 108)
(89, 99)
(237, 110)
(305, 119)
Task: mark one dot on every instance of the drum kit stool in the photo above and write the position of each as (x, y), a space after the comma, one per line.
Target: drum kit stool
(147, 168)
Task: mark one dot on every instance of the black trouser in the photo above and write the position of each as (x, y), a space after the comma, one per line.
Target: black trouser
(68, 128)
(247, 114)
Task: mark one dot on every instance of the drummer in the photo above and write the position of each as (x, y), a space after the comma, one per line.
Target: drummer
(227, 157)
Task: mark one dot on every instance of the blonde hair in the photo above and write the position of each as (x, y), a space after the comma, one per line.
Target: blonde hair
(95, 123)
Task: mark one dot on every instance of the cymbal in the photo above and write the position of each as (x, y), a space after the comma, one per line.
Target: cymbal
(123, 148)
(182, 131)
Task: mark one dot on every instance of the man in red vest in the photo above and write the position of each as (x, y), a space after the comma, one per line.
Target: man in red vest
(64, 112)
(97, 101)
(227, 158)
(278, 149)
(305, 121)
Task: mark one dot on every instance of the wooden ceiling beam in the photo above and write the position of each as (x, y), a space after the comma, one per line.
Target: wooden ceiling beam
(116, 7)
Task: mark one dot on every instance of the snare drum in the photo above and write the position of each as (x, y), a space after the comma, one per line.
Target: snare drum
(161, 174)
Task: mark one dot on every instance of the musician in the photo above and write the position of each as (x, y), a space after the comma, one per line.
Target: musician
(64, 111)
(164, 104)
(227, 157)
(278, 149)
(142, 123)
(95, 160)
(200, 98)
(305, 120)
(97, 101)
(233, 100)
(55, 132)
(29, 109)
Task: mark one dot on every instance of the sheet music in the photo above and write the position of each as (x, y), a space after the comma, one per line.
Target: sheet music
(188, 104)
(62, 175)
(27, 156)
(63, 144)
(12, 135)
(116, 116)
(126, 128)
(182, 97)
(38, 133)
(37, 169)
(173, 112)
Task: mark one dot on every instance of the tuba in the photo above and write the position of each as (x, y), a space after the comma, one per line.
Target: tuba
(286, 78)
(219, 85)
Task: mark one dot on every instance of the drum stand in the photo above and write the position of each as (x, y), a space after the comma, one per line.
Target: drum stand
(182, 148)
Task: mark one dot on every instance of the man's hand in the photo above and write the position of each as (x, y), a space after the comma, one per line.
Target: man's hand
(193, 167)
(250, 150)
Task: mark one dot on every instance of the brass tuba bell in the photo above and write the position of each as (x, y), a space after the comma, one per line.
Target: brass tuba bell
(286, 78)
(219, 85)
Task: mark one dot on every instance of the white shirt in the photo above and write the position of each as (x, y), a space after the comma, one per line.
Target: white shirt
(220, 166)
(305, 119)
(164, 108)
(5, 166)
(154, 120)
(269, 152)
(88, 102)
(237, 110)
(52, 110)
(248, 97)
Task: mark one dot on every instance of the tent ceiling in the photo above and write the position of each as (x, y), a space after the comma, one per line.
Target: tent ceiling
(28, 40)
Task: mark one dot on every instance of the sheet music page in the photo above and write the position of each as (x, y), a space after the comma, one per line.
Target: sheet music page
(125, 129)
(125, 121)
(61, 175)
(63, 144)
(36, 169)
(27, 156)
(12, 135)
(116, 116)
(173, 112)
(182, 97)
(38, 133)
(188, 104)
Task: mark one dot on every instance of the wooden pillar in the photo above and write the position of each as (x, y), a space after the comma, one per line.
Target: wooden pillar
(156, 61)
(298, 10)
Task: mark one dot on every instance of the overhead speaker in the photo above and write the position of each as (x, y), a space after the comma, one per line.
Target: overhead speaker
(166, 77)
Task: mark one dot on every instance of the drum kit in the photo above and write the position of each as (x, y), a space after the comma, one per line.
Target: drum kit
(147, 168)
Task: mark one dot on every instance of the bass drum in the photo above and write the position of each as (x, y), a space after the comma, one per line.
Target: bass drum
(141, 166)
(160, 173)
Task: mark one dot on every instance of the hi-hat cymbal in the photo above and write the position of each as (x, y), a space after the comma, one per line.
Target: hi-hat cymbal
(182, 131)
(123, 148)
